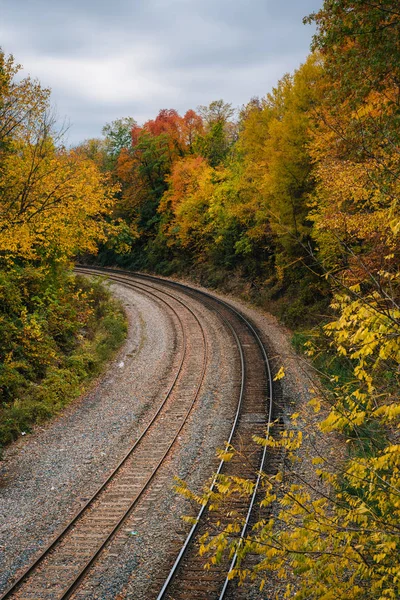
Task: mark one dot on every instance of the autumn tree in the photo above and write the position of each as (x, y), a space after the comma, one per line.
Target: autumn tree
(54, 204)
(275, 175)
(358, 135)
(51, 200)
(95, 149)
(143, 169)
(21, 102)
(186, 204)
(192, 129)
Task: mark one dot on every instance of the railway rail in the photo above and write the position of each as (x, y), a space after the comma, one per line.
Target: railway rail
(63, 565)
(60, 568)
(256, 409)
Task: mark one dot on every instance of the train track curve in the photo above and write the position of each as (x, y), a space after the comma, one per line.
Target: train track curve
(60, 569)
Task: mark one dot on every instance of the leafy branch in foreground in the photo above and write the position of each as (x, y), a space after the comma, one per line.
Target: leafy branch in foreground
(337, 538)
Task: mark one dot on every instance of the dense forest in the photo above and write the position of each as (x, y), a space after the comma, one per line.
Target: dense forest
(55, 330)
(291, 201)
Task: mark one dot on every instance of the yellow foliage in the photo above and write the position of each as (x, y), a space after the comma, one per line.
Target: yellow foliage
(52, 201)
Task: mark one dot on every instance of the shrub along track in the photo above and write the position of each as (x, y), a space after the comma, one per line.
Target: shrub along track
(62, 566)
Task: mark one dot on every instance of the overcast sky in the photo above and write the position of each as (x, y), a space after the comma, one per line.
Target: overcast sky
(118, 58)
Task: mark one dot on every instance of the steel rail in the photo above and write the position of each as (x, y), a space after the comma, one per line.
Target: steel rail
(194, 528)
(262, 462)
(267, 433)
(60, 535)
(67, 593)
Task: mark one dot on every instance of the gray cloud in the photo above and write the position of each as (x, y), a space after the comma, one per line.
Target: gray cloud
(105, 60)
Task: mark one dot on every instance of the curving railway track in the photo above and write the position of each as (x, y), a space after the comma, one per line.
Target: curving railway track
(60, 569)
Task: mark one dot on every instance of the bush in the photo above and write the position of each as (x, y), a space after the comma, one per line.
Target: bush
(56, 332)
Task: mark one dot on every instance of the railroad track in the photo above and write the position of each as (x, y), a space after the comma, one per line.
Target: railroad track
(61, 567)
(186, 579)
